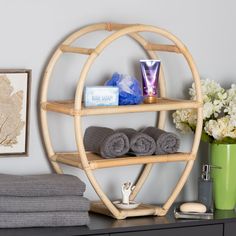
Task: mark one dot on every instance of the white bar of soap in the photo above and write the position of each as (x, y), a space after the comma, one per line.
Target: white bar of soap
(193, 207)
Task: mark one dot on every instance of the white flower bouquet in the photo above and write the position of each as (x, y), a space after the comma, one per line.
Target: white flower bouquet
(219, 113)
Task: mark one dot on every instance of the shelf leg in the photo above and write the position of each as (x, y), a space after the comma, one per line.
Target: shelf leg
(56, 167)
(141, 180)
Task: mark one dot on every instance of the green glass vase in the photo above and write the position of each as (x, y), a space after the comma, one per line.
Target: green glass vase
(223, 157)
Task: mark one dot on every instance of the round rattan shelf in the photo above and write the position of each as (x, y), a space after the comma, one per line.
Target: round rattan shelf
(89, 161)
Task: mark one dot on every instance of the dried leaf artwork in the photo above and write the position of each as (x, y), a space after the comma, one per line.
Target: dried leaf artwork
(11, 103)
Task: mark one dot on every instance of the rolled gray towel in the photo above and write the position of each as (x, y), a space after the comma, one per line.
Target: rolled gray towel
(43, 204)
(105, 142)
(140, 143)
(40, 185)
(43, 219)
(166, 142)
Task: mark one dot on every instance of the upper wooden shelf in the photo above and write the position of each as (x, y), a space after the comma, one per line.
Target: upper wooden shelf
(163, 104)
(97, 162)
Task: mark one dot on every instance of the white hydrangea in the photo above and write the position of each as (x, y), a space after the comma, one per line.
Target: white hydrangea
(232, 112)
(220, 128)
(211, 90)
(219, 111)
(213, 97)
(230, 106)
(185, 119)
(231, 93)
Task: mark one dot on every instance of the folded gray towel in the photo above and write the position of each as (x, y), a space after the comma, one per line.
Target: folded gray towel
(105, 142)
(43, 204)
(166, 142)
(140, 143)
(43, 219)
(40, 185)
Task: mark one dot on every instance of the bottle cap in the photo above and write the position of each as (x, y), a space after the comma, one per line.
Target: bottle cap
(150, 99)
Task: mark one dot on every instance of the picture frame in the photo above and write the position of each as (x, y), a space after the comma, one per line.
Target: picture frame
(14, 111)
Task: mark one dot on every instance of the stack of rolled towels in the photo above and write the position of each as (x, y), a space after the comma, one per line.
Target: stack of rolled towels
(42, 201)
(110, 143)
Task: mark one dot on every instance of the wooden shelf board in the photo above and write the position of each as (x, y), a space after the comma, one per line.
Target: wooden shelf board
(141, 210)
(67, 107)
(96, 162)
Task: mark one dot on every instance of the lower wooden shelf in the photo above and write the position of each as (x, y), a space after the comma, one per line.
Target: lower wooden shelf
(141, 210)
(97, 162)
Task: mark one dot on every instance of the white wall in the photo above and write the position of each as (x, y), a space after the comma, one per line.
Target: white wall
(30, 30)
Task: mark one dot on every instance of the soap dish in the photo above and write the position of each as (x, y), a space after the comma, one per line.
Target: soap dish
(131, 205)
(192, 215)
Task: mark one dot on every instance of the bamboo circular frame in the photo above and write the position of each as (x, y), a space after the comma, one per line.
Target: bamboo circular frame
(133, 32)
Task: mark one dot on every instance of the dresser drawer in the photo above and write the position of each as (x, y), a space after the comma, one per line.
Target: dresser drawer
(230, 229)
(216, 230)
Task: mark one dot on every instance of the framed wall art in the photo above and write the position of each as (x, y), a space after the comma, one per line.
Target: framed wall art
(14, 111)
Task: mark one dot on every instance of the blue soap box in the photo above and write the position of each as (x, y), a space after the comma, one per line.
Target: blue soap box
(101, 96)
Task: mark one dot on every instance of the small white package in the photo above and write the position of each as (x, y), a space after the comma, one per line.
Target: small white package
(101, 96)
